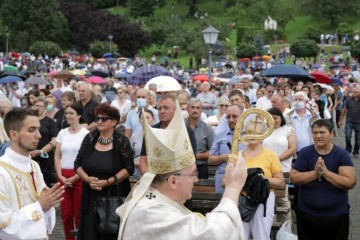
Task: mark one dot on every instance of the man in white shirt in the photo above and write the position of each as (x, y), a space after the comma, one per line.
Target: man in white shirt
(264, 102)
(26, 204)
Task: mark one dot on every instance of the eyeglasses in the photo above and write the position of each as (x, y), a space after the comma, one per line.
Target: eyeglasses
(270, 91)
(231, 116)
(224, 105)
(194, 174)
(103, 119)
(119, 92)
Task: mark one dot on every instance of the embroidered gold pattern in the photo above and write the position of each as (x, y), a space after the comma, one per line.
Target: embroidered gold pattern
(186, 145)
(160, 166)
(36, 216)
(187, 160)
(157, 152)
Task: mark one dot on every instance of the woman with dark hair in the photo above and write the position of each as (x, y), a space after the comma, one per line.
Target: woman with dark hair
(30, 97)
(67, 98)
(104, 163)
(68, 143)
(283, 142)
(311, 103)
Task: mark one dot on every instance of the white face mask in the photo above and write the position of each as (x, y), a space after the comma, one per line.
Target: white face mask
(141, 102)
(298, 105)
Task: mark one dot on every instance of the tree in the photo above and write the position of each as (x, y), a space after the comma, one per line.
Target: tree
(45, 47)
(332, 10)
(99, 24)
(304, 48)
(140, 8)
(34, 20)
(343, 29)
(98, 48)
(246, 50)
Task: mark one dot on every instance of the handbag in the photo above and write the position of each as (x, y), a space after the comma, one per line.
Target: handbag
(247, 208)
(108, 220)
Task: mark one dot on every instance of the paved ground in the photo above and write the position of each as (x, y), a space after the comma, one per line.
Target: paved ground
(58, 233)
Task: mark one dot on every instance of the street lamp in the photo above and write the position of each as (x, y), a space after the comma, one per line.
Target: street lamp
(210, 37)
(7, 42)
(110, 38)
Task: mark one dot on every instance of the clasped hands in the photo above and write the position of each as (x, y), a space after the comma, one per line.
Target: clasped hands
(320, 168)
(97, 184)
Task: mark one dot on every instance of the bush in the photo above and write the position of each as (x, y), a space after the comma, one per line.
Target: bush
(304, 48)
(98, 48)
(355, 51)
(312, 33)
(246, 50)
(45, 47)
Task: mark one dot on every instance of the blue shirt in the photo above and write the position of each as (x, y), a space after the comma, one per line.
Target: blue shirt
(321, 198)
(221, 145)
(133, 121)
(302, 129)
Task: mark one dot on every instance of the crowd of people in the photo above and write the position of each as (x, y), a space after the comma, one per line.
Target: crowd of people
(70, 137)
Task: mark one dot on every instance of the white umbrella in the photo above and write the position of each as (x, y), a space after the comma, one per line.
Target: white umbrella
(329, 88)
(164, 84)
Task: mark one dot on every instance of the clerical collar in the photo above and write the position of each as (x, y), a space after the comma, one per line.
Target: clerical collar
(17, 160)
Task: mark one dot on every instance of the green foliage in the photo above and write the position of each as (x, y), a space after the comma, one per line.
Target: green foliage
(271, 35)
(45, 47)
(235, 14)
(140, 8)
(345, 28)
(304, 48)
(355, 51)
(312, 33)
(34, 20)
(98, 48)
(229, 3)
(246, 50)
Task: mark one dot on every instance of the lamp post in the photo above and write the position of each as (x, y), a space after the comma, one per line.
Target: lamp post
(7, 42)
(110, 38)
(210, 35)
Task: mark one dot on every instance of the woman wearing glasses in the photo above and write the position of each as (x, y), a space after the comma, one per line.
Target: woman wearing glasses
(104, 162)
(68, 143)
(121, 103)
(223, 104)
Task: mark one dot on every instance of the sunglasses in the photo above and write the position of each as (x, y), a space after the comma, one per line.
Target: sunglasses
(103, 119)
(224, 105)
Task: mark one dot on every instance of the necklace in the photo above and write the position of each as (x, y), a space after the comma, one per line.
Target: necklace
(105, 142)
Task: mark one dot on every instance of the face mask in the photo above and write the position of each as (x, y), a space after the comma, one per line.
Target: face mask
(350, 94)
(298, 105)
(185, 114)
(141, 102)
(216, 111)
(14, 87)
(49, 108)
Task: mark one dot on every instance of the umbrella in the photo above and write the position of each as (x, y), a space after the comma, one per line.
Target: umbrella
(321, 77)
(143, 74)
(108, 55)
(122, 75)
(225, 75)
(63, 74)
(96, 79)
(11, 73)
(201, 77)
(78, 72)
(315, 66)
(100, 73)
(329, 88)
(101, 60)
(37, 80)
(245, 59)
(164, 84)
(11, 68)
(286, 70)
(256, 58)
(122, 59)
(266, 57)
(28, 72)
(335, 51)
(337, 81)
(15, 54)
(110, 59)
(10, 79)
(80, 66)
(347, 48)
(26, 54)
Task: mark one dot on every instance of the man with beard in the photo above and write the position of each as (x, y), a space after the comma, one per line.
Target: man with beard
(204, 135)
(26, 204)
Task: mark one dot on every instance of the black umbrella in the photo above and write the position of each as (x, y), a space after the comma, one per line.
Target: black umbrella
(10, 73)
(100, 73)
(291, 71)
(225, 75)
(28, 72)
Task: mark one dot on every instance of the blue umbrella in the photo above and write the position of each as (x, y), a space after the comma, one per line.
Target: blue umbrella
(235, 79)
(143, 74)
(288, 71)
(10, 79)
(122, 75)
(110, 59)
(315, 66)
(107, 55)
(337, 81)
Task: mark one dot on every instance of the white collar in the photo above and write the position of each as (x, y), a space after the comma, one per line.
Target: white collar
(17, 160)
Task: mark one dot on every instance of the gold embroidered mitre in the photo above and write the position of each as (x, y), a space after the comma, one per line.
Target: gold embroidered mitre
(169, 149)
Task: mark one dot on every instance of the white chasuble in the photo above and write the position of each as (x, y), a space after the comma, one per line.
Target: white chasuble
(21, 216)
